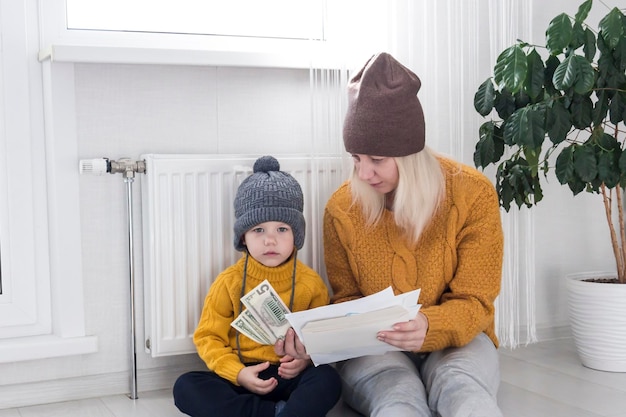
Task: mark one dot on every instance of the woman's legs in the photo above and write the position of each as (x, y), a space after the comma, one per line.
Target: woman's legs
(383, 386)
(463, 382)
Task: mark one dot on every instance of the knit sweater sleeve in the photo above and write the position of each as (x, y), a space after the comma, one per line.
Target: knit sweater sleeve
(466, 308)
(212, 333)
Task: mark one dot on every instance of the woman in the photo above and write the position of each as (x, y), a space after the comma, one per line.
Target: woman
(410, 219)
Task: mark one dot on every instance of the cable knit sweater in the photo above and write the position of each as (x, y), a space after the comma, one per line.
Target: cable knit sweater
(457, 262)
(214, 337)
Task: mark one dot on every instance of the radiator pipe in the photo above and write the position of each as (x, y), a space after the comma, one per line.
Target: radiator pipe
(131, 268)
(127, 168)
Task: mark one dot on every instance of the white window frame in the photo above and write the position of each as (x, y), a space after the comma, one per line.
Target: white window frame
(62, 45)
(41, 309)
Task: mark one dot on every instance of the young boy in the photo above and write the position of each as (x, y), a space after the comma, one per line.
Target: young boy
(246, 378)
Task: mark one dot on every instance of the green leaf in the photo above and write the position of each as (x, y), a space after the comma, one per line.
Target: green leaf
(559, 34)
(581, 110)
(578, 36)
(511, 67)
(620, 53)
(484, 99)
(532, 156)
(558, 122)
(535, 77)
(575, 71)
(505, 193)
(552, 64)
(585, 163)
(525, 127)
(590, 44)
(608, 153)
(601, 107)
(617, 108)
(611, 27)
(515, 182)
(490, 147)
(583, 11)
(576, 185)
(505, 104)
(622, 168)
(564, 167)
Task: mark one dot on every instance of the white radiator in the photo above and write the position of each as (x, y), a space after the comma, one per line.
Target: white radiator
(187, 212)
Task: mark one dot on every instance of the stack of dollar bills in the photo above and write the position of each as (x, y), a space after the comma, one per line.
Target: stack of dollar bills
(263, 319)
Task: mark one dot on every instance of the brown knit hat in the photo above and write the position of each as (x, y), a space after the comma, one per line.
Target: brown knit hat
(384, 116)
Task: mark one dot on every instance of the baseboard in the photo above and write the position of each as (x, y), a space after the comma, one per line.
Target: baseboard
(69, 389)
(553, 333)
(541, 334)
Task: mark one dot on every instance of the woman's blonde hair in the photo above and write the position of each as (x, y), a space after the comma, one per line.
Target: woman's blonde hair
(421, 188)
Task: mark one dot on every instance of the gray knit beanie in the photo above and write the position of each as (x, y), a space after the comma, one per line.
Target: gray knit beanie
(384, 116)
(269, 195)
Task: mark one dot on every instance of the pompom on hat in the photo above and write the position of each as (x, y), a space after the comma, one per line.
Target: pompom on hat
(267, 195)
(384, 116)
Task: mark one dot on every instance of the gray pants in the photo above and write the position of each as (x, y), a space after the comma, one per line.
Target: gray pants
(454, 382)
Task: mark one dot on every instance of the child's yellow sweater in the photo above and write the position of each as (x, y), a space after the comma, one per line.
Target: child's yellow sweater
(214, 337)
(457, 262)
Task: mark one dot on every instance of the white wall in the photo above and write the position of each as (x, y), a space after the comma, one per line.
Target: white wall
(127, 110)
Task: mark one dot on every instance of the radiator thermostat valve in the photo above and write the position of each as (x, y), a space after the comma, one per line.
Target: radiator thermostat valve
(124, 166)
(94, 166)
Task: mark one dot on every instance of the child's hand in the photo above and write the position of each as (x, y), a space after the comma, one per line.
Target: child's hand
(248, 378)
(291, 367)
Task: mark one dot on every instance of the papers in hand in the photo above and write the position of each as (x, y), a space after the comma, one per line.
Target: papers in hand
(264, 319)
(348, 330)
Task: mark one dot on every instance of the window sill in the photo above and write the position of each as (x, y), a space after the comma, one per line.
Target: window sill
(303, 59)
(45, 347)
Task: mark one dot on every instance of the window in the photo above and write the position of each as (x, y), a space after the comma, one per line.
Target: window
(24, 299)
(268, 33)
(251, 33)
(41, 304)
(251, 18)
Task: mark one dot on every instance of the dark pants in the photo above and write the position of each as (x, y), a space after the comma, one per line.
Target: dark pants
(311, 394)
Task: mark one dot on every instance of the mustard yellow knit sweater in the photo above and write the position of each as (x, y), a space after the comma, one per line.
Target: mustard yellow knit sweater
(214, 337)
(457, 262)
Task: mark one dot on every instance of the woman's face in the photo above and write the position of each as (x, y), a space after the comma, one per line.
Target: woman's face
(380, 172)
(270, 243)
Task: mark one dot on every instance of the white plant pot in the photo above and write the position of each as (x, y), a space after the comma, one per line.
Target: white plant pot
(597, 315)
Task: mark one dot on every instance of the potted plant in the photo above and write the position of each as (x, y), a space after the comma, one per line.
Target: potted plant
(561, 108)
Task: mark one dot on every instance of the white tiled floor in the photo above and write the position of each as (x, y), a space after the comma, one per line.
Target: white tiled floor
(541, 380)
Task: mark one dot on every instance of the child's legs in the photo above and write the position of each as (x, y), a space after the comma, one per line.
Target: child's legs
(318, 390)
(463, 382)
(384, 386)
(205, 394)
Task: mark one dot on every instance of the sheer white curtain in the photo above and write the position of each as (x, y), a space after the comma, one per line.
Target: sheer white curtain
(508, 21)
(452, 46)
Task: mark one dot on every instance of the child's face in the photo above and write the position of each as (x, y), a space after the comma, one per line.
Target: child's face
(270, 243)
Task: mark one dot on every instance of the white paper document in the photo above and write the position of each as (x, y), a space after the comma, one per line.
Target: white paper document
(348, 330)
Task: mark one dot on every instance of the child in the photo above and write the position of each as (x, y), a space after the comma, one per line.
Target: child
(247, 379)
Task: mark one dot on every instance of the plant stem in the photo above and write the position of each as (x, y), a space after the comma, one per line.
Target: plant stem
(619, 258)
(621, 275)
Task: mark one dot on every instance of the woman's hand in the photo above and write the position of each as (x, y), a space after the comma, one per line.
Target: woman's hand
(248, 378)
(291, 346)
(408, 335)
